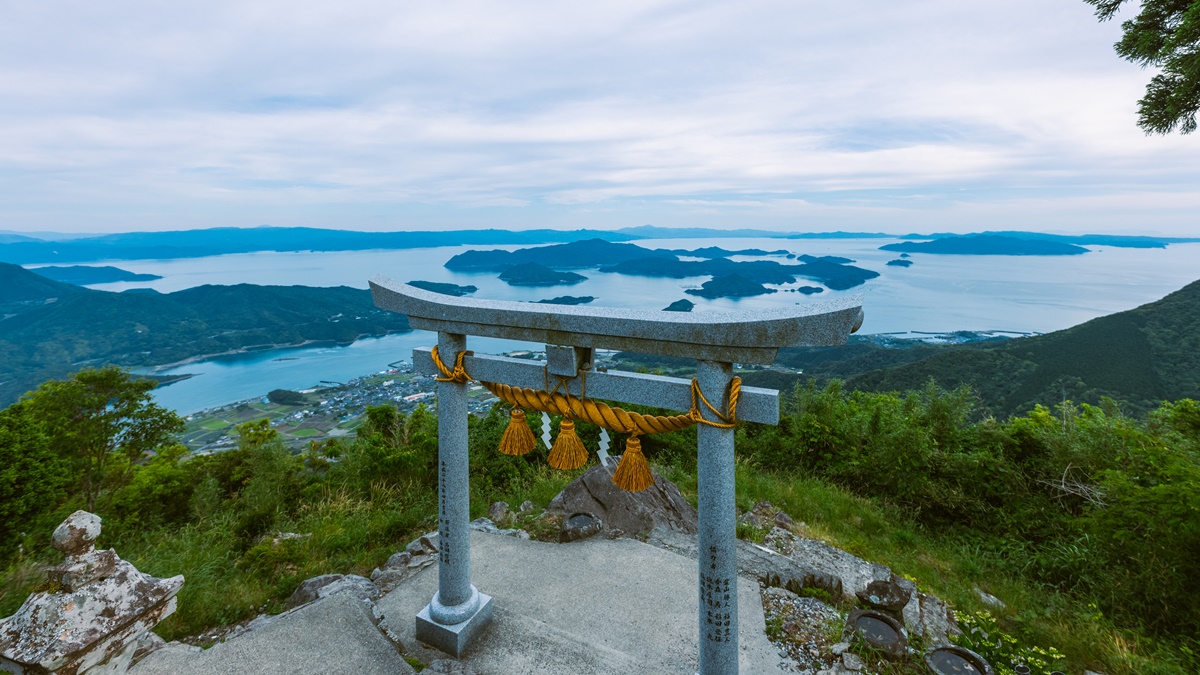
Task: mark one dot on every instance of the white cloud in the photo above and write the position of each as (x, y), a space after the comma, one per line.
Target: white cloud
(869, 115)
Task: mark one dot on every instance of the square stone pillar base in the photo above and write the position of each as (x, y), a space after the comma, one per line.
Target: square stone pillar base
(455, 639)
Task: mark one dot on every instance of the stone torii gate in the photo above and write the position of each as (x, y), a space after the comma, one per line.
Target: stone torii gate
(458, 612)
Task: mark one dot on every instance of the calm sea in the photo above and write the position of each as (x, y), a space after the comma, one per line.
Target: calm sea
(936, 294)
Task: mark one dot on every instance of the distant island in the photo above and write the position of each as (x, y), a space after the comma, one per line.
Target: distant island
(24, 250)
(533, 274)
(729, 286)
(900, 262)
(718, 252)
(808, 290)
(444, 288)
(83, 275)
(680, 306)
(568, 300)
(987, 244)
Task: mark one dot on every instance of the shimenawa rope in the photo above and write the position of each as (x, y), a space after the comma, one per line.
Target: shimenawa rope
(633, 472)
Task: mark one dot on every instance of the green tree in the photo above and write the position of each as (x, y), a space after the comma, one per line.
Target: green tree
(98, 414)
(1166, 34)
(33, 479)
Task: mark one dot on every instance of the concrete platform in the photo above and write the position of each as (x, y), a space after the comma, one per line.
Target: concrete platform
(332, 635)
(596, 606)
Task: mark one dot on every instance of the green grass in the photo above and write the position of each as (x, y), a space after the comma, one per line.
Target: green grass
(946, 567)
(215, 424)
(306, 432)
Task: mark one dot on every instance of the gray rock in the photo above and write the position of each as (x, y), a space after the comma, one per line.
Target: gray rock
(579, 526)
(148, 643)
(527, 507)
(989, 599)
(429, 541)
(484, 525)
(885, 595)
(398, 561)
(499, 512)
(937, 625)
(784, 520)
(853, 572)
(752, 519)
(769, 567)
(852, 661)
(449, 667)
(634, 512)
(359, 587)
(307, 590)
(840, 648)
(426, 543)
(390, 579)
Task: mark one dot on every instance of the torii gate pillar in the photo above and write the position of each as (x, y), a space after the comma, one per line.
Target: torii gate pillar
(458, 612)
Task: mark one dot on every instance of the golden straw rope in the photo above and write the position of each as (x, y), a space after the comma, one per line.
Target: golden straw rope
(596, 412)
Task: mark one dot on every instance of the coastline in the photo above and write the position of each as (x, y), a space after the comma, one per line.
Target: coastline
(252, 349)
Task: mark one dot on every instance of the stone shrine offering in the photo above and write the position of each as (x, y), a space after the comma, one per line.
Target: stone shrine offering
(91, 616)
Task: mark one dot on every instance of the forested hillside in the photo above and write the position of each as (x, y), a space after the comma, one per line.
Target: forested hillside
(1139, 358)
(84, 327)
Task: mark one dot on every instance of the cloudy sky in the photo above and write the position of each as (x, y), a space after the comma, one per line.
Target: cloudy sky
(876, 115)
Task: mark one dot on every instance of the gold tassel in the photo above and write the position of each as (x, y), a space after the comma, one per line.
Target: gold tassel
(633, 472)
(518, 437)
(568, 451)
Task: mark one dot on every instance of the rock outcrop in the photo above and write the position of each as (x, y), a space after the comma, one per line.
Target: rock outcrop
(95, 614)
(634, 513)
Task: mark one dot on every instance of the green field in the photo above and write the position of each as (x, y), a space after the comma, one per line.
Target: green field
(214, 424)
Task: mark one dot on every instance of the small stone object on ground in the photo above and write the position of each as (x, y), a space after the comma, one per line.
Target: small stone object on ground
(499, 512)
(527, 507)
(784, 520)
(879, 631)
(307, 590)
(579, 526)
(888, 596)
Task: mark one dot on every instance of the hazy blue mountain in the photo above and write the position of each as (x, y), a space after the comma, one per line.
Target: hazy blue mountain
(223, 240)
(987, 244)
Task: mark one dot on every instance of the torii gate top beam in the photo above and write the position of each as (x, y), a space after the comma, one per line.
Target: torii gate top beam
(735, 337)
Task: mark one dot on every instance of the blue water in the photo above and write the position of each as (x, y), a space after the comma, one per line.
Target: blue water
(937, 293)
